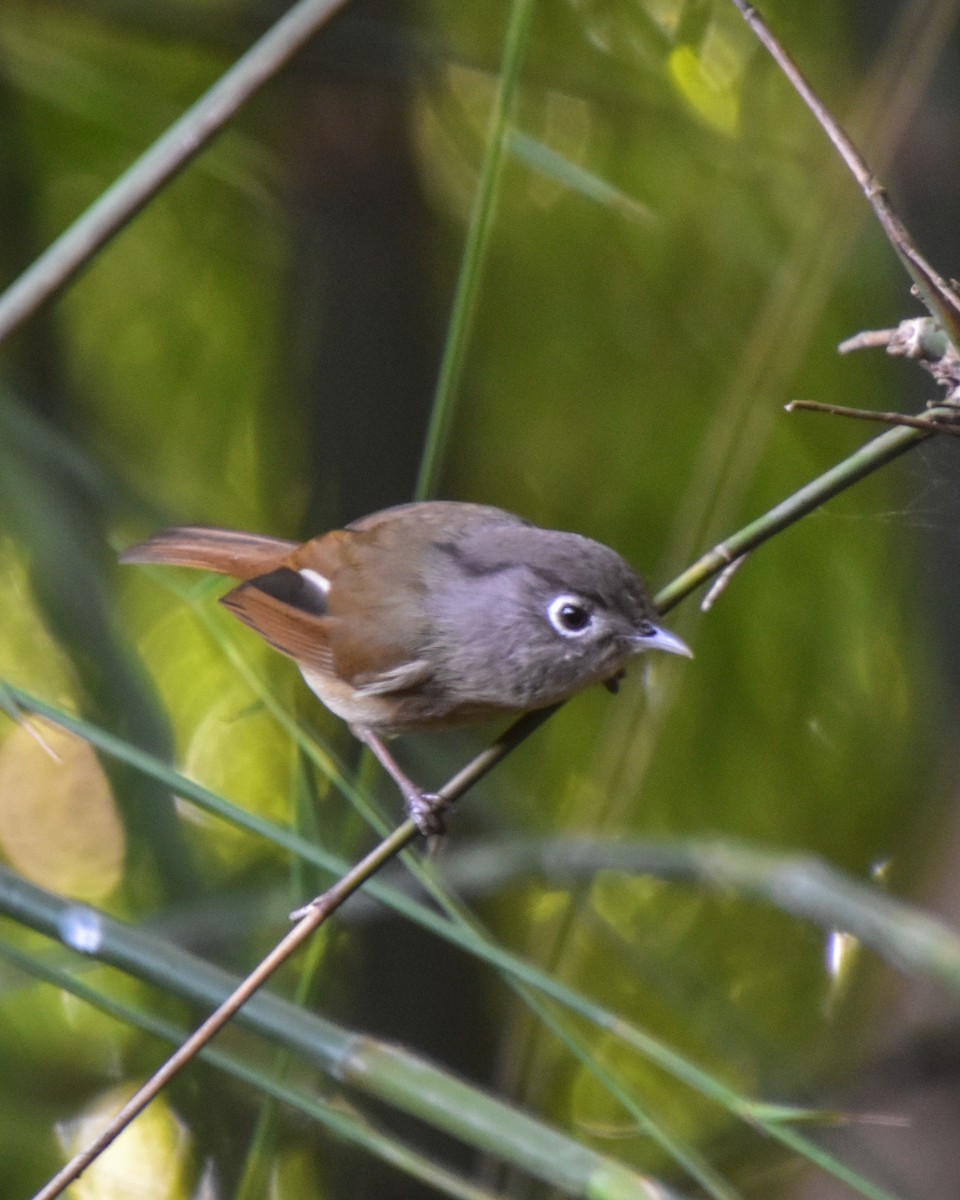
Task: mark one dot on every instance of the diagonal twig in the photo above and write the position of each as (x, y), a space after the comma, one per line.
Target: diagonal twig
(884, 418)
(935, 292)
(168, 155)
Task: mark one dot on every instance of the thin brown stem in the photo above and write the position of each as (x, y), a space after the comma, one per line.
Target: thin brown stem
(313, 917)
(935, 292)
(928, 424)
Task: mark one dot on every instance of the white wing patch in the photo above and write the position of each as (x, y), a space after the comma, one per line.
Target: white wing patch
(315, 579)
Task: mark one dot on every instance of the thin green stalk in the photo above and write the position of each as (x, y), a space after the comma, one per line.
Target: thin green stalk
(338, 1119)
(475, 249)
(865, 461)
(168, 155)
(686, 1157)
(576, 178)
(800, 884)
(372, 1067)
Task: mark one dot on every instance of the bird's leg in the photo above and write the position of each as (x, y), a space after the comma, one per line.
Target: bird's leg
(424, 807)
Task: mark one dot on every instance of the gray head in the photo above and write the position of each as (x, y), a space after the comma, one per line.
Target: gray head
(529, 616)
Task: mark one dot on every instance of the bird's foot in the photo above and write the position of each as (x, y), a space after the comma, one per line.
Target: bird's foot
(426, 809)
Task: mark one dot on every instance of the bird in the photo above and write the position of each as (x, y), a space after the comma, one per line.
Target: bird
(431, 614)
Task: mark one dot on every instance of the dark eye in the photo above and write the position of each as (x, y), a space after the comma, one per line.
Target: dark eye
(569, 616)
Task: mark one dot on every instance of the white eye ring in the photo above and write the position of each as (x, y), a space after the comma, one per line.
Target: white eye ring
(570, 616)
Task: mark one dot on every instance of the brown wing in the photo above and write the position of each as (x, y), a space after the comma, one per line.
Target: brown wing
(297, 632)
(379, 635)
(324, 644)
(342, 605)
(346, 604)
(225, 551)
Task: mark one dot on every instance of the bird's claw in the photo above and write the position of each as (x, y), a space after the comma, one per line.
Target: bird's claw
(426, 808)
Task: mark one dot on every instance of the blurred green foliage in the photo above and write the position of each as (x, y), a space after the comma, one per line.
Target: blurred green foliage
(675, 255)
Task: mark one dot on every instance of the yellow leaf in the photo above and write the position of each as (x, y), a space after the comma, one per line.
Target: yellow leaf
(58, 823)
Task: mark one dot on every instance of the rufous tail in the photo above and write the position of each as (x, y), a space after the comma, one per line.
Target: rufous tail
(226, 551)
